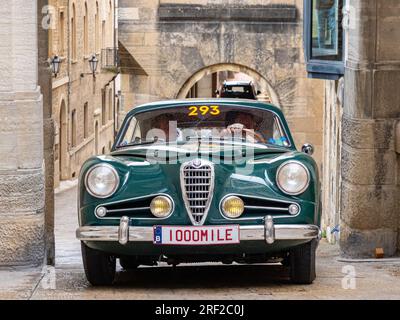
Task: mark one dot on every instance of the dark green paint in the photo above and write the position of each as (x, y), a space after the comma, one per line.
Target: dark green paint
(138, 181)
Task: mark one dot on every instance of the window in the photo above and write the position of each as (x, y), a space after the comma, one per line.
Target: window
(73, 128)
(103, 35)
(62, 33)
(73, 32)
(97, 28)
(86, 31)
(86, 120)
(52, 29)
(103, 107)
(110, 105)
(323, 38)
(111, 24)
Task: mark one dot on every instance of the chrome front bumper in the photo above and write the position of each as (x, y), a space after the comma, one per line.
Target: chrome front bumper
(269, 232)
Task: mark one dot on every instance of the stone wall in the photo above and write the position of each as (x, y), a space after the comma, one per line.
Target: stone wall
(370, 187)
(22, 186)
(171, 41)
(333, 110)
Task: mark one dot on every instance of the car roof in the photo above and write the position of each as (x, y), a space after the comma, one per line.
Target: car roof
(207, 101)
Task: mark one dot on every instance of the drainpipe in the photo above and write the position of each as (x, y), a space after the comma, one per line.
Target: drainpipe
(69, 53)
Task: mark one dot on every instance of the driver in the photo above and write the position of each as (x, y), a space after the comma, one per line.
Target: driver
(166, 124)
(243, 124)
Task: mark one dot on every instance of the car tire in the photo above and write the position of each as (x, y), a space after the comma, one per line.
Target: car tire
(128, 264)
(302, 263)
(99, 267)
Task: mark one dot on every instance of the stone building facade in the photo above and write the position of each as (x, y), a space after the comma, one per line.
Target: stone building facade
(83, 105)
(167, 46)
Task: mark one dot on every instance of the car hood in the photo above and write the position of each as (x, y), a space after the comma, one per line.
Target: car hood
(156, 169)
(142, 176)
(164, 151)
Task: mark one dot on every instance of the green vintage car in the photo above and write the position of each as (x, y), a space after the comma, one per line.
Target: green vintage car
(200, 181)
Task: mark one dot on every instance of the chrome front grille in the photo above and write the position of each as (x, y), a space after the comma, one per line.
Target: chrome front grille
(197, 182)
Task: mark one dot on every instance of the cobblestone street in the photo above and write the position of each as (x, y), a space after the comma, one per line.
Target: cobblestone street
(379, 280)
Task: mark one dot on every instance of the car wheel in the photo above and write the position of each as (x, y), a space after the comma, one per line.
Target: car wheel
(128, 264)
(302, 263)
(99, 266)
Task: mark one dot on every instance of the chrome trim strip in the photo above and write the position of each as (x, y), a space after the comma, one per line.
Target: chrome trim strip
(131, 199)
(259, 217)
(247, 233)
(269, 230)
(123, 232)
(265, 208)
(127, 209)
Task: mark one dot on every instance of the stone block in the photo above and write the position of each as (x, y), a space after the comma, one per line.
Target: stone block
(387, 94)
(368, 166)
(362, 244)
(388, 33)
(22, 240)
(369, 207)
(21, 191)
(361, 33)
(368, 134)
(134, 39)
(358, 94)
(221, 12)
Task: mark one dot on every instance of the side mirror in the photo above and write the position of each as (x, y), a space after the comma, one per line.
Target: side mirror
(308, 149)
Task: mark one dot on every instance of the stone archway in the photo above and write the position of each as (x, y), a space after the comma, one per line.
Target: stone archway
(197, 76)
(185, 42)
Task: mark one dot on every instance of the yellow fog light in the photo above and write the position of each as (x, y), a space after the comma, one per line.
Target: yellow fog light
(233, 207)
(161, 207)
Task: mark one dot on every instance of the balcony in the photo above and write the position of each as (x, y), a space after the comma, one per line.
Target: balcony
(109, 59)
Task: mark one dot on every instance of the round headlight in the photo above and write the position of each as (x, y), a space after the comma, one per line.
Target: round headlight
(161, 207)
(233, 207)
(102, 181)
(293, 178)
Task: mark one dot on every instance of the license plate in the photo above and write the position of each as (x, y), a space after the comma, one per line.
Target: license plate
(194, 236)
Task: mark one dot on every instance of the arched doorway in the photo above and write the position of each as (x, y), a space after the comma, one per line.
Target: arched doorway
(63, 148)
(210, 71)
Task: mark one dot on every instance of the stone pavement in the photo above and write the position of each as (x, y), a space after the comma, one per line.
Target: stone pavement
(377, 280)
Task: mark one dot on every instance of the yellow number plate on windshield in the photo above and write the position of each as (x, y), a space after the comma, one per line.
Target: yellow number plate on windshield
(196, 111)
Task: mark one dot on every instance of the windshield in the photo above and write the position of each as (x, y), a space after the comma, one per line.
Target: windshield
(211, 122)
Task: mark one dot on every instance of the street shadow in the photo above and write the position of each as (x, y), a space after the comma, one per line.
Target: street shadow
(203, 277)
